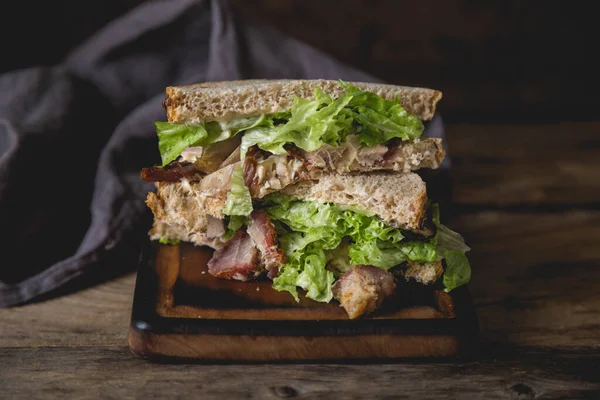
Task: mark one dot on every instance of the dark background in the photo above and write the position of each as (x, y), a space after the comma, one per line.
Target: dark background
(494, 60)
(520, 82)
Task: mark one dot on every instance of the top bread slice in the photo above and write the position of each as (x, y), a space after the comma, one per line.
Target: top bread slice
(221, 101)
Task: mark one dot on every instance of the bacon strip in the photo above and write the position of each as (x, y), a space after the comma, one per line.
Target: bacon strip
(171, 172)
(262, 232)
(250, 168)
(239, 259)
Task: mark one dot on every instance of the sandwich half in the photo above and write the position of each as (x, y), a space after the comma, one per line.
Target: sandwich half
(309, 183)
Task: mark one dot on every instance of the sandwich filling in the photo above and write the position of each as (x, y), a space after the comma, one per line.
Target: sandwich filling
(298, 196)
(321, 241)
(308, 125)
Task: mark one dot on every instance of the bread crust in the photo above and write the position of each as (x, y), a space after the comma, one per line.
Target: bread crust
(219, 101)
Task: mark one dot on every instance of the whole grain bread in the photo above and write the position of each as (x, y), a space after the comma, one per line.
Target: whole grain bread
(219, 101)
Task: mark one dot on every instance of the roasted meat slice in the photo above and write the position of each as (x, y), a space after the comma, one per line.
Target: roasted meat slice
(426, 273)
(363, 289)
(238, 259)
(262, 232)
(215, 227)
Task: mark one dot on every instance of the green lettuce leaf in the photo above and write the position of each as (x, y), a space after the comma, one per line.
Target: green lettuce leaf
(306, 269)
(234, 224)
(238, 201)
(387, 254)
(164, 240)
(339, 258)
(382, 254)
(448, 240)
(458, 269)
(287, 280)
(175, 137)
(316, 280)
(451, 247)
(312, 123)
(381, 119)
(310, 233)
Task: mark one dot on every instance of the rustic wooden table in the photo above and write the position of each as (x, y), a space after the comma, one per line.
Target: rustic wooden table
(527, 202)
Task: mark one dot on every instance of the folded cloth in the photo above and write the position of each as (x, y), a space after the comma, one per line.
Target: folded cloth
(74, 137)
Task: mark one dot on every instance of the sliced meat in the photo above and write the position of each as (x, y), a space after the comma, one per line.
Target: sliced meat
(266, 173)
(421, 153)
(349, 156)
(238, 259)
(215, 227)
(262, 232)
(352, 156)
(171, 172)
(250, 164)
(363, 289)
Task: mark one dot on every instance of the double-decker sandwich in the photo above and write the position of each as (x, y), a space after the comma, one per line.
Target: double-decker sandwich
(309, 183)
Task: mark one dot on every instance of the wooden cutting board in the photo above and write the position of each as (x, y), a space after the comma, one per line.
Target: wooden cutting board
(181, 311)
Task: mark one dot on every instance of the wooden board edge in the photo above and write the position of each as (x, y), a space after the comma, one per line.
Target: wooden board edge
(270, 348)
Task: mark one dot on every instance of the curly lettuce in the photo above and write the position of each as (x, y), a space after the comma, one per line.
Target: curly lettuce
(310, 232)
(165, 240)
(238, 200)
(174, 137)
(325, 120)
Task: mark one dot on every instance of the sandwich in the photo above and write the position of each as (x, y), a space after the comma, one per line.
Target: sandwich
(312, 184)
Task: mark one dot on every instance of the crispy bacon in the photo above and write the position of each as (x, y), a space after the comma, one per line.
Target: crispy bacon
(363, 288)
(262, 232)
(250, 168)
(171, 172)
(297, 153)
(239, 259)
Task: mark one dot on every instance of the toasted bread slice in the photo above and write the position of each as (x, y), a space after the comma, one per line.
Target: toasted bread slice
(220, 101)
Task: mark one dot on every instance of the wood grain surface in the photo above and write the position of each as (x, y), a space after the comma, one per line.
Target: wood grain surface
(114, 373)
(531, 165)
(536, 268)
